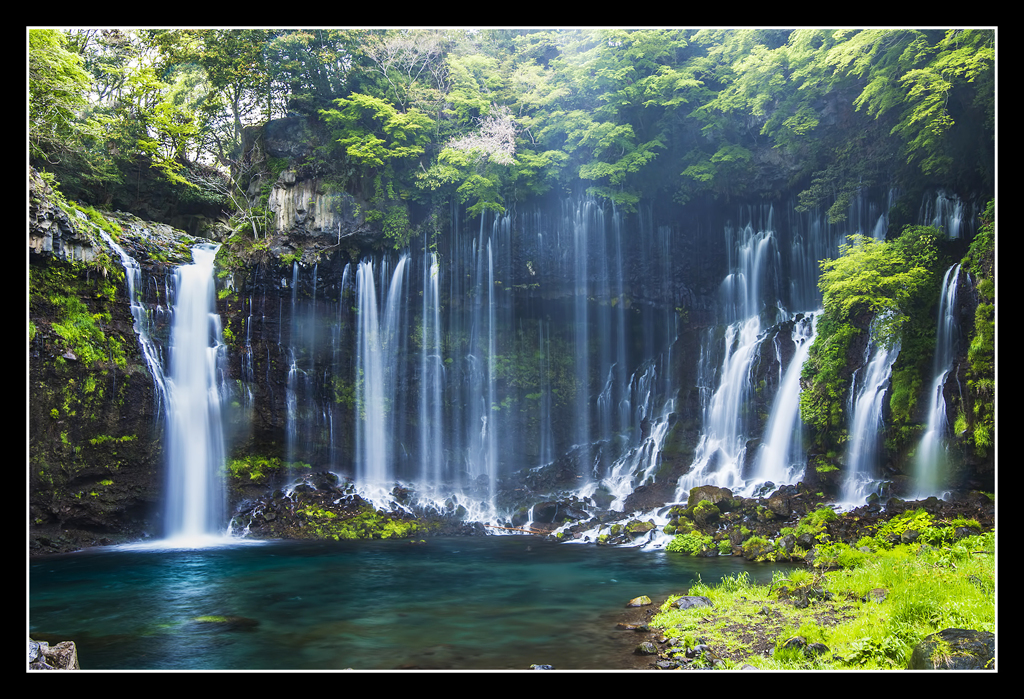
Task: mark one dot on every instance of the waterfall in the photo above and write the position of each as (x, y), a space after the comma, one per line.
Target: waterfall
(194, 441)
(781, 460)
(642, 458)
(930, 466)
(378, 348)
(432, 380)
(292, 387)
(142, 322)
(721, 452)
(865, 416)
(945, 211)
(581, 232)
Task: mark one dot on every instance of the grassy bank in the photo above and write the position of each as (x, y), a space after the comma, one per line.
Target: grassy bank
(868, 614)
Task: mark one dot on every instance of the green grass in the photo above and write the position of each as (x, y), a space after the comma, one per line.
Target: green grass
(926, 589)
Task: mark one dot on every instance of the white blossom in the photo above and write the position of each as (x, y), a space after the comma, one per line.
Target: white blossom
(496, 137)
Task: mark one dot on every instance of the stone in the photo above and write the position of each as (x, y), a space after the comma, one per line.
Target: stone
(646, 648)
(62, 656)
(955, 649)
(711, 493)
(691, 601)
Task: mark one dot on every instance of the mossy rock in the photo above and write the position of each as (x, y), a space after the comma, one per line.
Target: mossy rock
(711, 493)
(706, 513)
(637, 528)
(955, 649)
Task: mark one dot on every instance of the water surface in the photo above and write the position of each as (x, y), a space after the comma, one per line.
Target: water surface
(502, 602)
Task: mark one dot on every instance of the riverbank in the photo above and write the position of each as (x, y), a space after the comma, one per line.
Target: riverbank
(877, 605)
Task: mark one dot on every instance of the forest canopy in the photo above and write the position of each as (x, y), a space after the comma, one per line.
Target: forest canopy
(492, 116)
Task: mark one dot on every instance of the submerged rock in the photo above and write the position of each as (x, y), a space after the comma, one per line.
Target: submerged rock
(646, 648)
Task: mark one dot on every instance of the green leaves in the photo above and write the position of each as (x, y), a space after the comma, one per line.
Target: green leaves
(373, 133)
(876, 285)
(880, 279)
(57, 93)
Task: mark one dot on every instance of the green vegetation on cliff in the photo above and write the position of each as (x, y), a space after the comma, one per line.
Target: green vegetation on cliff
(978, 427)
(876, 291)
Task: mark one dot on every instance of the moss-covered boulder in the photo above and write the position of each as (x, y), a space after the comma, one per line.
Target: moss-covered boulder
(955, 649)
(716, 496)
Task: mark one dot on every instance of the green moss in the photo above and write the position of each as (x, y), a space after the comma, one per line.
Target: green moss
(259, 468)
(106, 439)
(59, 292)
(369, 524)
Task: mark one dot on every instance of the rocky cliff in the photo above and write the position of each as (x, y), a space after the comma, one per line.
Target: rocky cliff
(94, 458)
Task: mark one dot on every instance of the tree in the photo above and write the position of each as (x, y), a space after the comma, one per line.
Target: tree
(57, 88)
(373, 133)
(238, 82)
(880, 279)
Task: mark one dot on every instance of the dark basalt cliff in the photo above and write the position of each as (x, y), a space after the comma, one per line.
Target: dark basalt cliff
(287, 306)
(95, 457)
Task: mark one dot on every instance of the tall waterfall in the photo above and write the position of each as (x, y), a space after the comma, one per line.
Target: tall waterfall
(870, 386)
(722, 452)
(781, 459)
(194, 439)
(379, 342)
(432, 379)
(931, 453)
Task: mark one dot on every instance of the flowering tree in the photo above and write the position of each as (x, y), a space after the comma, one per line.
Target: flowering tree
(495, 140)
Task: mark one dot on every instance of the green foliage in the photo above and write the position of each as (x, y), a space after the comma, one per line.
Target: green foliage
(108, 439)
(979, 424)
(369, 524)
(631, 112)
(887, 287)
(373, 132)
(837, 555)
(736, 582)
(879, 279)
(57, 88)
(825, 377)
(254, 468)
(58, 292)
(692, 543)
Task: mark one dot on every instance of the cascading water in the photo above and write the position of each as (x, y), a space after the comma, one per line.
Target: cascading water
(432, 380)
(945, 211)
(143, 321)
(194, 441)
(379, 340)
(643, 454)
(865, 415)
(781, 457)
(931, 459)
(721, 453)
(738, 448)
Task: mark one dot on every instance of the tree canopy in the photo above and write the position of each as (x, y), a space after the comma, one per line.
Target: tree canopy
(679, 113)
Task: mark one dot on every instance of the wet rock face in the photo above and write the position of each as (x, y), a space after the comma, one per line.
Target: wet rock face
(51, 232)
(311, 214)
